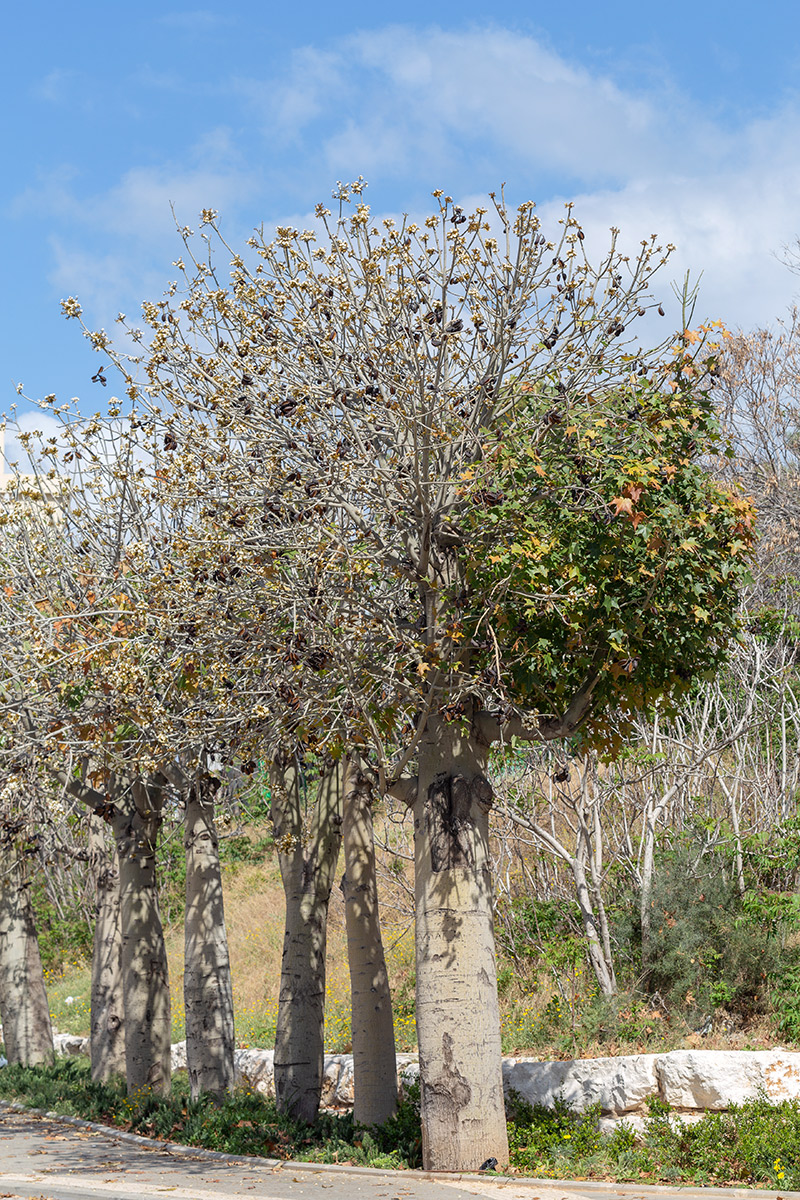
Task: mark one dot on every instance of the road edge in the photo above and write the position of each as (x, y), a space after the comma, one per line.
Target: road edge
(177, 1149)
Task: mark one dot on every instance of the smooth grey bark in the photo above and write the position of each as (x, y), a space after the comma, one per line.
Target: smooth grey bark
(24, 1011)
(374, 1057)
(148, 1032)
(207, 990)
(458, 1017)
(107, 1032)
(308, 844)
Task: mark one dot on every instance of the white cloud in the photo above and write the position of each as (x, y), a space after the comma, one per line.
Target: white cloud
(420, 89)
(39, 426)
(140, 204)
(414, 109)
(471, 108)
(57, 86)
(196, 20)
(732, 226)
(113, 248)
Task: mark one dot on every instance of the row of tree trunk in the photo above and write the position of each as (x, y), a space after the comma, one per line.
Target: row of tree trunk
(130, 996)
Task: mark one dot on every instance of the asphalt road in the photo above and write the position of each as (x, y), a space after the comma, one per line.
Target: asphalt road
(46, 1159)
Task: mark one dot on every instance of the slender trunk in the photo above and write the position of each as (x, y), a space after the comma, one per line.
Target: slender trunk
(144, 960)
(589, 852)
(374, 1058)
(653, 812)
(603, 968)
(458, 1018)
(24, 1011)
(210, 1038)
(732, 796)
(308, 851)
(108, 1010)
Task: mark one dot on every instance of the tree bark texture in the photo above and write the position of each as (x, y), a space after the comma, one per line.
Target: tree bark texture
(107, 1033)
(374, 1057)
(208, 995)
(308, 842)
(458, 1017)
(24, 1012)
(148, 1031)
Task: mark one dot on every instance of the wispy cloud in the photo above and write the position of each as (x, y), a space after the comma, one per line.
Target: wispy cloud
(471, 108)
(196, 20)
(412, 109)
(424, 89)
(57, 86)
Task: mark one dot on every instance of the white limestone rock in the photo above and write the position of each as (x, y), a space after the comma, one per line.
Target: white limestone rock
(334, 1065)
(255, 1069)
(345, 1088)
(636, 1122)
(407, 1071)
(714, 1079)
(178, 1059)
(619, 1085)
(69, 1045)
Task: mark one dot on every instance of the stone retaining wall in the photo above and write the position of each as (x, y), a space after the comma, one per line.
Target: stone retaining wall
(692, 1082)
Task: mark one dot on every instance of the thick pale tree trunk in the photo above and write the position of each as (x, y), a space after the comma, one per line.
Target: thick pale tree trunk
(458, 1017)
(308, 850)
(144, 959)
(208, 996)
(24, 1012)
(107, 1039)
(374, 1058)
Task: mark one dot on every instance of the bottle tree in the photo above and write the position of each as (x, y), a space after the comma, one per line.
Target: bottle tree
(478, 511)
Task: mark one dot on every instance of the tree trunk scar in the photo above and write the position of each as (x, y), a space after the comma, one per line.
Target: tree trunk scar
(450, 1087)
(449, 820)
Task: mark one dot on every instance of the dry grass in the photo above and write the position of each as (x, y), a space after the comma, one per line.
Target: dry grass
(537, 1018)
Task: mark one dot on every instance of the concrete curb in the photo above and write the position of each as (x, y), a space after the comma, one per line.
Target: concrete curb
(176, 1150)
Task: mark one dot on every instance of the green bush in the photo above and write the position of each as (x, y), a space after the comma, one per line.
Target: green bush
(706, 949)
(550, 1141)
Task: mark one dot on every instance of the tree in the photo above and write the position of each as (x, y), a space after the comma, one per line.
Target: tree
(107, 1033)
(374, 1057)
(308, 838)
(24, 1010)
(86, 688)
(208, 993)
(343, 409)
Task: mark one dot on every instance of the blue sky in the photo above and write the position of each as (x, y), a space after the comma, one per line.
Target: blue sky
(681, 119)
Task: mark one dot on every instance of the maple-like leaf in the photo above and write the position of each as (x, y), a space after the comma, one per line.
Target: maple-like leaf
(622, 504)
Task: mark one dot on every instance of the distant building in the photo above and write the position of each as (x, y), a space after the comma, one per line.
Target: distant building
(21, 495)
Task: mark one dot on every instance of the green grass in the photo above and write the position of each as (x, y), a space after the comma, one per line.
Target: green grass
(70, 982)
(754, 1144)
